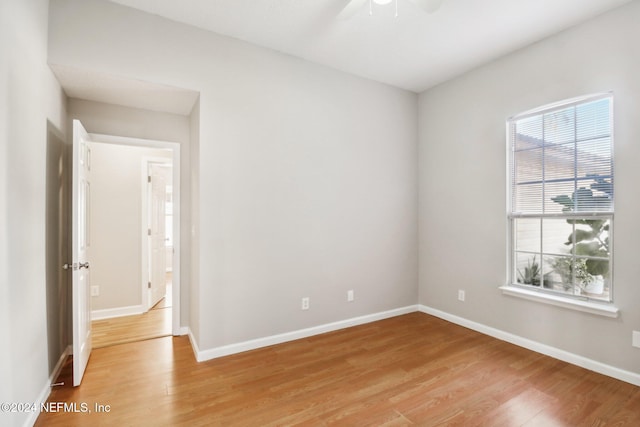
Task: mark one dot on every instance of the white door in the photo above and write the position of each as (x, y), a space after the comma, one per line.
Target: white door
(157, 245)
(80, 239)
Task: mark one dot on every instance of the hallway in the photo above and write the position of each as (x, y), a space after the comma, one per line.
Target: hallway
(120, 330)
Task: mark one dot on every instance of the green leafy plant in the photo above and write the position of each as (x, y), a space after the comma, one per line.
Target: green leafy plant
(589, 241)
(531, 274)
(568, 268)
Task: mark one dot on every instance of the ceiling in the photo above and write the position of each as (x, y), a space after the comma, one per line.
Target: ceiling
(414, 51)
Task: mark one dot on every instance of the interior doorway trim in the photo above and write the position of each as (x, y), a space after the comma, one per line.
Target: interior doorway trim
(177, 241)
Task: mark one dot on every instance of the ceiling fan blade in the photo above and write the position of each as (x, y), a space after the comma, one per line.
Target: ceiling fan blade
(429, 6)
(351, 9)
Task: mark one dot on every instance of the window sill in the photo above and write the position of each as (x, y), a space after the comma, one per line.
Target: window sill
(606, 310)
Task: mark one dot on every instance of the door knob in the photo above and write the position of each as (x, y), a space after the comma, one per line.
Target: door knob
(76, 266)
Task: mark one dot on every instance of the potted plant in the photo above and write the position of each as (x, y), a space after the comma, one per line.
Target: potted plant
(590, 241)
(531, 273)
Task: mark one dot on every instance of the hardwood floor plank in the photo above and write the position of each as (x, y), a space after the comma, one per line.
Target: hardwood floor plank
(409, 370)
(120, 330)
(517, 410)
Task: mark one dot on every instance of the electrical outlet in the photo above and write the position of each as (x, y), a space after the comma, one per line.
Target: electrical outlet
(95, 291)
(460, 295)
(350, 296)
(635, 339)
(305, 303)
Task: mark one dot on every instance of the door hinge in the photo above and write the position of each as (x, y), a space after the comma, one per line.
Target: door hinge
(148, 232)
(148, 178)
(149, 285)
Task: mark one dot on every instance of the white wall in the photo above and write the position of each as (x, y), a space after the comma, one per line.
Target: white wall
(117, 195)
(6, 389)
(194, 169)
(463, 184)
(308, 176)
(117, 120)
(111, 119)
(30, 96)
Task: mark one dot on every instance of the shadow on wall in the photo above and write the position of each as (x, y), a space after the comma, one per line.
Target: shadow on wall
(58, 250)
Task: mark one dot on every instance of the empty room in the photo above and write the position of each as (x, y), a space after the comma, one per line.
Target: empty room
(372, 212)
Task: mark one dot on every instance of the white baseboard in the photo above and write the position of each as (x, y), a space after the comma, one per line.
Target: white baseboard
(194, 346)
(183, 330)
(108, 313)
(46, 390)
(212, 353)
(56, 371)
(592, 365)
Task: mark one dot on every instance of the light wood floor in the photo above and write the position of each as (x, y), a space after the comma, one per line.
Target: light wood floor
(409, 370)
(120, 330)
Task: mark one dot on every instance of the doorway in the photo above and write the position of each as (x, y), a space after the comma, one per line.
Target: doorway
(147, 305)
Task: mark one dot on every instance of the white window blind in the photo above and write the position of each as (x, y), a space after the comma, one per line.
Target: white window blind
(559, 152)
(561, 197)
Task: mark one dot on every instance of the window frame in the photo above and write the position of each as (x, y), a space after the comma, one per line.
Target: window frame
(539, 293)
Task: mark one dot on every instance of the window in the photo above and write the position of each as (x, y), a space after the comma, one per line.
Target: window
(561, 198)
